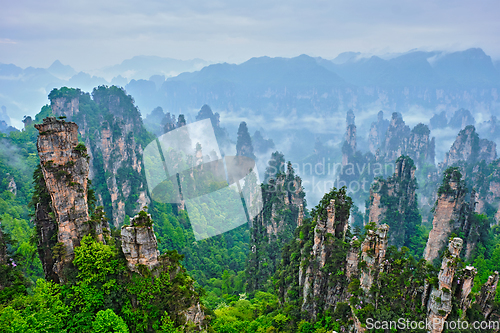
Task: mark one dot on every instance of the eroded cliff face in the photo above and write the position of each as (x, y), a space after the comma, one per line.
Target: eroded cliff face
(64, 164)
(488, 293)
(397, 131)
(468, 148)
(64, 106)
(274, 226)
(377, 133)
(420, 146)
(314, 271)
(324, 270)
(393, 201)
(439, 304)
(139, 243)
(486, 180)
(400, 140)
(372, 255)
(449, 213)
(112, 129)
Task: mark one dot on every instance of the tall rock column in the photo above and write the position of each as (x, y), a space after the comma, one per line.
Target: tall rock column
(65, 170)
(315, 275)
(393, 201)
(372, 255)
(465, 288)
(447, 213)
(488, 292)
(440, 301)
(274, 226)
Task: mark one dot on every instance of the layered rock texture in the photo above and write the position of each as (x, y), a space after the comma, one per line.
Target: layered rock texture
(396, 134)
(65, 168)
(139, 243)
(372, 255)
(400, 140)
(327, 269)
(488, 293)
(439, 304)
(469, 148)
(393, 201)
(450, 213)
(112, 129)
(331, 227)
(283, 210)
(309, 274)
(62, 220)
(477, 160)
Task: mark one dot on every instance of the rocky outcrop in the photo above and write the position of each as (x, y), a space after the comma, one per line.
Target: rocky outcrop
(196, 316)
(274, 226)
(488, 293)
(449, 213)
(377, 211)
(420, 146)
(350, 138)
(65, 106)
(439, 305)
(397, 132)
(46, 228)
(465, 287)
(139, 243)
(12, 186)
(112, 129)
(314, 277)
(377, 133)
(487, 183)
(372, 255)
(65, 168)
(461, 118)
(349, 147)
(244, 145)
(393, 201)
(468, 148)
(400, 140)
(220, 132)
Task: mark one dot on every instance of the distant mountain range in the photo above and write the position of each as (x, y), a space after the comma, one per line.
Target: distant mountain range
(278, 86)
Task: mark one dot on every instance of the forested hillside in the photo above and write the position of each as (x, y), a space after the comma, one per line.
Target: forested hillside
(85, 246)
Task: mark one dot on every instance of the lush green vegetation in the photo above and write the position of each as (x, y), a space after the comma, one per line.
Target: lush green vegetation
(240, 290)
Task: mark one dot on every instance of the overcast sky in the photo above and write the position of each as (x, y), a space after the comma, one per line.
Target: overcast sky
(95, 33)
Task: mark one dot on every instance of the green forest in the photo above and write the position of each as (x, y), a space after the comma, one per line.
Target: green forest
(317, 268)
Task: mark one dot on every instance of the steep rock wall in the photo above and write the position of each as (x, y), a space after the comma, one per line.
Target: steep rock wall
(282, 211)
(112, 129)
(318, 287)
(439, 305)
(448, 213)
(393, 201)
(65, 169)
(468, 148)
(488, 293)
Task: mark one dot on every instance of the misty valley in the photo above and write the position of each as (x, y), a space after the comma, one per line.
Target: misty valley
(359, 194)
